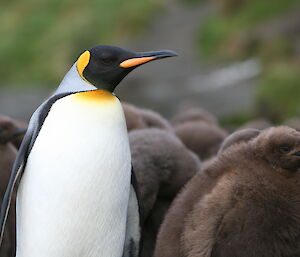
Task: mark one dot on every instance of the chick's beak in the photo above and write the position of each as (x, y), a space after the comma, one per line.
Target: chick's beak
(296, 153)
(144, 57)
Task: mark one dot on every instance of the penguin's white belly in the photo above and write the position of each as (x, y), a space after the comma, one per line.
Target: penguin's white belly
(73, 196)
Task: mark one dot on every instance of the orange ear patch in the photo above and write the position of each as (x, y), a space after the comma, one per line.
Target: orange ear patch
(135, 61)
(82, 62)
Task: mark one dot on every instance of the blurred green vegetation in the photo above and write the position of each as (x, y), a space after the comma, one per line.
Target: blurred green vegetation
(227, 28)
(40, 39)
(240, 29)
(192, 2)
(279, 91)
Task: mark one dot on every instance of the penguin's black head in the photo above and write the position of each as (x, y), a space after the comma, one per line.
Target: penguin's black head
(105, 66)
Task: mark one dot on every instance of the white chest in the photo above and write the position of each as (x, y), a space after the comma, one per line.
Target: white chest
(73, 197)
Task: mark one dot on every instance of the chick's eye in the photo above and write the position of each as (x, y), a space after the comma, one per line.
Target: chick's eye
(285, 149)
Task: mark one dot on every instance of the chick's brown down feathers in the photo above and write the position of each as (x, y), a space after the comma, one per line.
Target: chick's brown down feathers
(246, 203)
(138, 118)
(8, 154)
(162, 165)
(202, 138)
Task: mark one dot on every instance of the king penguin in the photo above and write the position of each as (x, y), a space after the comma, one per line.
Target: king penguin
(77, 194)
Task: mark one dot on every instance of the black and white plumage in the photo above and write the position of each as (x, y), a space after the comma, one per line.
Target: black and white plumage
(74, 165)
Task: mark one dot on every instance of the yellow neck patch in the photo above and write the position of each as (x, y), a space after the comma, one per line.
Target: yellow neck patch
(95, 96)
(82, 62)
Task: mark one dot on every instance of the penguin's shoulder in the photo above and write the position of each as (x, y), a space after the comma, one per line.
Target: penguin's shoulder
(34, 127)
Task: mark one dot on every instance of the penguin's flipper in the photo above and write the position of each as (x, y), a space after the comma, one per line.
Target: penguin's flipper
(134, 221)
(33, 130)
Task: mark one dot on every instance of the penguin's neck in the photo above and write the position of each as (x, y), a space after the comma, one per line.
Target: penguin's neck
(72, 82)
(96, 97)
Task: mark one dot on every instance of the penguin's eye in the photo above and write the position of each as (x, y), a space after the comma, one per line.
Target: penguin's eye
(285, 149)
(107, 60)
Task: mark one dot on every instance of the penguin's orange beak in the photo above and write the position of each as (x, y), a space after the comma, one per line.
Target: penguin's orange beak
(135, 62)
(145, 57)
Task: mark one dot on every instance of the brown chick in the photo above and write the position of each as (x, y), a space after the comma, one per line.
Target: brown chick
(246, 203)
(202, 138)
(137, 118)
(12, 130)
(162, 165)
(194, 114)
(8, 154)
(239, 136)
